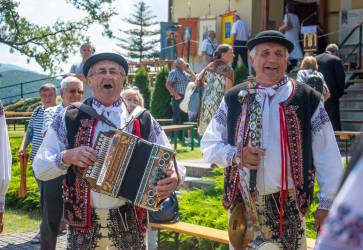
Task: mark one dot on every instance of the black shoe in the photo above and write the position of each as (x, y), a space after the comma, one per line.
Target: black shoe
(36, 239)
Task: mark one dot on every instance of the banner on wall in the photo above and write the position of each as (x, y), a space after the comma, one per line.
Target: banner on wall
(168, 34)
(205, 25)
(187, 29)
(227, 22)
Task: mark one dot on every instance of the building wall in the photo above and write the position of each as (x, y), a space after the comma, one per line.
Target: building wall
(218, 7)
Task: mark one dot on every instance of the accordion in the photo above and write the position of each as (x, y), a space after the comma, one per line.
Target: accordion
(129, 168)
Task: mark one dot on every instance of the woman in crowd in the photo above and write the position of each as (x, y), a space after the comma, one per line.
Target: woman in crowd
(291, 28)
(132, 98)
(343, 228)
(309, 68)
(216, 78)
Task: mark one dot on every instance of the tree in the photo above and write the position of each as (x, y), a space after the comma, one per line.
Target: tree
(142, 82)
(240, 74)
(160, 103)
(51, 45)
(140, 43)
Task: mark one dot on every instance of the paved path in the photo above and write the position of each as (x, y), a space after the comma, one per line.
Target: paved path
(22, 241)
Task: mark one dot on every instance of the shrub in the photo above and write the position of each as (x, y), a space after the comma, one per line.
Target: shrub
(160, 104)
(240, 74)
(142, 82)
(24, 105)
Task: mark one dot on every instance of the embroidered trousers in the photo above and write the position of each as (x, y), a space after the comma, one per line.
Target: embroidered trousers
(294, 229)
(112, 229)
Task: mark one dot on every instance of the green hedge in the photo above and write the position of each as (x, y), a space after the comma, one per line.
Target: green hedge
(240, 74)
(24, 105)
(160, 105)
(142, 82)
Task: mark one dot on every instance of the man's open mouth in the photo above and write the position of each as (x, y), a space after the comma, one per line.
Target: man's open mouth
(107, 86)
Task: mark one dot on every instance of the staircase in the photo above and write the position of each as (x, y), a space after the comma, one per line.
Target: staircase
(351, 103)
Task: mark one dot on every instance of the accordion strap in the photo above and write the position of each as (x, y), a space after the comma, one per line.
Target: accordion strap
(92, 112)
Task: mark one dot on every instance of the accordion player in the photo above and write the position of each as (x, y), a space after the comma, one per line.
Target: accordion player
(129, 168)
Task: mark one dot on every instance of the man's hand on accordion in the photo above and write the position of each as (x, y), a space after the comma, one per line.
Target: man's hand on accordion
(168, 185)
(82, 157)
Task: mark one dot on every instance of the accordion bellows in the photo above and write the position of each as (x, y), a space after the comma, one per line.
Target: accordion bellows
(129, 168)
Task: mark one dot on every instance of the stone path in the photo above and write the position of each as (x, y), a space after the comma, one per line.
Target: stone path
(22, 241)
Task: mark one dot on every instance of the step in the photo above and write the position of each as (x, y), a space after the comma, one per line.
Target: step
(355, 81)
(350, 100)
(351, 121)
(196, 167)
(196, 183)
(351, 110)
(347, 91)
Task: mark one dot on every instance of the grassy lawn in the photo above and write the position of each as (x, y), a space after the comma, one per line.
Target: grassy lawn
(17, 221)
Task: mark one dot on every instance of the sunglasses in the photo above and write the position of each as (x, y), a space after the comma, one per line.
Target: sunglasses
(74, 91)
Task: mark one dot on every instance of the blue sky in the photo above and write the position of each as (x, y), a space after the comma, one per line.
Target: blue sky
(45, 12)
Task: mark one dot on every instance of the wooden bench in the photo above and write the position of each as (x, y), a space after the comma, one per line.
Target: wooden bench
(164, 121)
(202, 232)
(173, 129)
(18, 114)
(14, 120)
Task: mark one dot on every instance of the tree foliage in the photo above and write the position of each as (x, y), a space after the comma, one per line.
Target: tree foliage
(160, 103)
(142, 82)
(240, 74)
(50, 45)
(140, 40)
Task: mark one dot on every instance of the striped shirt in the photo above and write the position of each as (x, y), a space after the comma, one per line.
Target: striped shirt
(35, 130)
(179, 79)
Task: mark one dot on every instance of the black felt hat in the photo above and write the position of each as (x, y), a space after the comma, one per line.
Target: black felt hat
(270, 36)
(105, 56)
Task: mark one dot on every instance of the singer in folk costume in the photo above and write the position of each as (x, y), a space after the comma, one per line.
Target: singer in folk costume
(96, 220)
(295, 142)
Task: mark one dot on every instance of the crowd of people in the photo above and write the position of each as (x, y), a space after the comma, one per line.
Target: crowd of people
(272, 134)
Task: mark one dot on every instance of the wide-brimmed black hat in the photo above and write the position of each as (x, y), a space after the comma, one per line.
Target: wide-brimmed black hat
(105, 56)
(270, 36)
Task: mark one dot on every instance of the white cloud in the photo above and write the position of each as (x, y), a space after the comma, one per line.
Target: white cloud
(45, 12)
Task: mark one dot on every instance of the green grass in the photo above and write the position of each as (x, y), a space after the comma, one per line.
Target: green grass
(17, 221)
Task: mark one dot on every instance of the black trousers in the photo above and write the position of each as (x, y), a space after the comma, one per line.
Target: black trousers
(179, 117)
(238, 50)
(52, 212)
(332, 108)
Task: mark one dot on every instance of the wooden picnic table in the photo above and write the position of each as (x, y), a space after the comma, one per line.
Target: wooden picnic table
(165, 121)
(173, 129)
(14, 120)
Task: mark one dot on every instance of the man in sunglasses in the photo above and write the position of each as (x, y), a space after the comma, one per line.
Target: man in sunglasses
(95, 220)
(51, 191)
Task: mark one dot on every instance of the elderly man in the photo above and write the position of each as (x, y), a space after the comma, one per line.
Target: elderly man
(86, 50)
(51, 191)
(331, 66)
(34, 134)
(209, 45)
(5, 163)
(280, 129)
(95, 220)
(176, 84)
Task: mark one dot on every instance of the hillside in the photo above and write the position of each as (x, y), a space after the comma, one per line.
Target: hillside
(12, 74)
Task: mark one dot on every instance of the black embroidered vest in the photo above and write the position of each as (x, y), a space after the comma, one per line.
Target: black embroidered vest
(298, 109)
(76, 193)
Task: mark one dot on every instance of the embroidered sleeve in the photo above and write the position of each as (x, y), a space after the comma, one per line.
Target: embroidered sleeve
(343, 229)
(48, 163)
(214, 143)
(157, 134)
(319, 119)
(59, 126)
(326, 157)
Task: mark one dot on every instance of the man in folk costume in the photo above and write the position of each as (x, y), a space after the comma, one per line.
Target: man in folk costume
(279, 128)
(95, 220)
